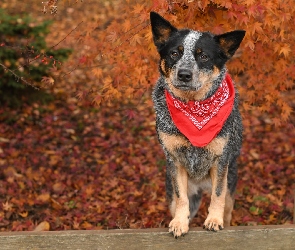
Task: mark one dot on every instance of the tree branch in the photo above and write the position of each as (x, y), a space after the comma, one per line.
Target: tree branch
(18, 77)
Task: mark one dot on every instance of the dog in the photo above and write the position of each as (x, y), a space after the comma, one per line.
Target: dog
(198, 122)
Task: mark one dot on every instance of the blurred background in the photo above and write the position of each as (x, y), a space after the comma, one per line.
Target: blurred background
(78, 147)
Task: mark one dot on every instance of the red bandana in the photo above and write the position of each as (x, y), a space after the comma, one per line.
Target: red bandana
(201, 121)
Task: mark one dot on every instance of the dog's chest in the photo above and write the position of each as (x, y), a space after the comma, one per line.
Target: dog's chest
(197, 161)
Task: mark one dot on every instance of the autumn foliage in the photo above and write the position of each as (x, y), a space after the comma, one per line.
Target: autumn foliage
(263, 68)
(123, 59)
(91, 160)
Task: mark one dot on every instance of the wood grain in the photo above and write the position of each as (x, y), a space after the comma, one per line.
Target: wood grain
(259, 237)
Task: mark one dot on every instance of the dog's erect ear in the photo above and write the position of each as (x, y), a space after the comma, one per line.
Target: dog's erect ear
(161, 29)
(230, 42)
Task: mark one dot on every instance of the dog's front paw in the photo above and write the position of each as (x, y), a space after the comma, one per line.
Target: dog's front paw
(179, 227)
(213, 223)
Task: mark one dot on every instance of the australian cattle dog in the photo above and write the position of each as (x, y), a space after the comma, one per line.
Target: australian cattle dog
(198, 122)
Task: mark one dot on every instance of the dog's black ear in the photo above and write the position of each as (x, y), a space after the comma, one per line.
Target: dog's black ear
(161, 29)
(230, 42)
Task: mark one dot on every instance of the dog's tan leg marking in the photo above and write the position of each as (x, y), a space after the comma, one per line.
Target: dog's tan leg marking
(229, 205)
(172, 206)
(216, 146)
(214, 219)
(180, 209)
(179, 206)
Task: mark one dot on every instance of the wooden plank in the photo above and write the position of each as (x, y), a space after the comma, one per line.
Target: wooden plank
(259, 237)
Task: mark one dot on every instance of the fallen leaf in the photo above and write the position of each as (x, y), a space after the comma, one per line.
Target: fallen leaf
(43, 226)
(43, 197)
(24, 214)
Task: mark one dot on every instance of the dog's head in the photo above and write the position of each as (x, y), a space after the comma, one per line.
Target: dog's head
(192, 60)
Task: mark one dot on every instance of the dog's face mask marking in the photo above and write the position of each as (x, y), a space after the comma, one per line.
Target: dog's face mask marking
(191, 60)
(191, 65)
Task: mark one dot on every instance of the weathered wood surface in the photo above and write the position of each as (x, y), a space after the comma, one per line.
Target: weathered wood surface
(259, 237)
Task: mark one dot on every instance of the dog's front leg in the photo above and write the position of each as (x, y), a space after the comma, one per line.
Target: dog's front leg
(214, 221)
(179, 206)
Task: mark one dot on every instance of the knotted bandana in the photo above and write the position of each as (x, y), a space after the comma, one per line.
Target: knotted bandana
(201, 121)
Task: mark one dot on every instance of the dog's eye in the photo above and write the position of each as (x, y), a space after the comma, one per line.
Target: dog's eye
(174, 54)
(204, 57)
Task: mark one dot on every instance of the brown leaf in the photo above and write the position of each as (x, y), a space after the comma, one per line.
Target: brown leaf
(7, 206)
(43, 226)
(24, 214)
(58, 187)
(43, 197)
(47, 80)
(11, 172)
(55, 204)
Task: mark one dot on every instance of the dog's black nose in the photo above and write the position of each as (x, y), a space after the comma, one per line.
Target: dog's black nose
(184, 75)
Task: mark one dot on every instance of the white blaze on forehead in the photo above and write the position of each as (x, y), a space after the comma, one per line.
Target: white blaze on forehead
(188, 61)
(189, 42)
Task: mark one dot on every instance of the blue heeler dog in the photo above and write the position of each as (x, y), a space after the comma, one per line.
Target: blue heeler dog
(198, 122)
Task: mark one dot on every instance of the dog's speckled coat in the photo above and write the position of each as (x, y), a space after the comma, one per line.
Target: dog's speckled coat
(192, 170)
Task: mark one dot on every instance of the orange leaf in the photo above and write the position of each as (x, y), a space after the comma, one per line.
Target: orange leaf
(226, 4)
(257, 28)
(97, 72)
(249, 2)
(138, 8)
(285, 50)
(286, 111)
(126, 25)
(43, 197)
(23, 214)
(136, 39)
(86, 225)
(43, 226)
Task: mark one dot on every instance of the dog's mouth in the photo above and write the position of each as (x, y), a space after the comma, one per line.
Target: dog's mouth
(187, 87)
(183, 87)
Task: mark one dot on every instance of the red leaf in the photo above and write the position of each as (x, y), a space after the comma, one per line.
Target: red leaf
(82, 59)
